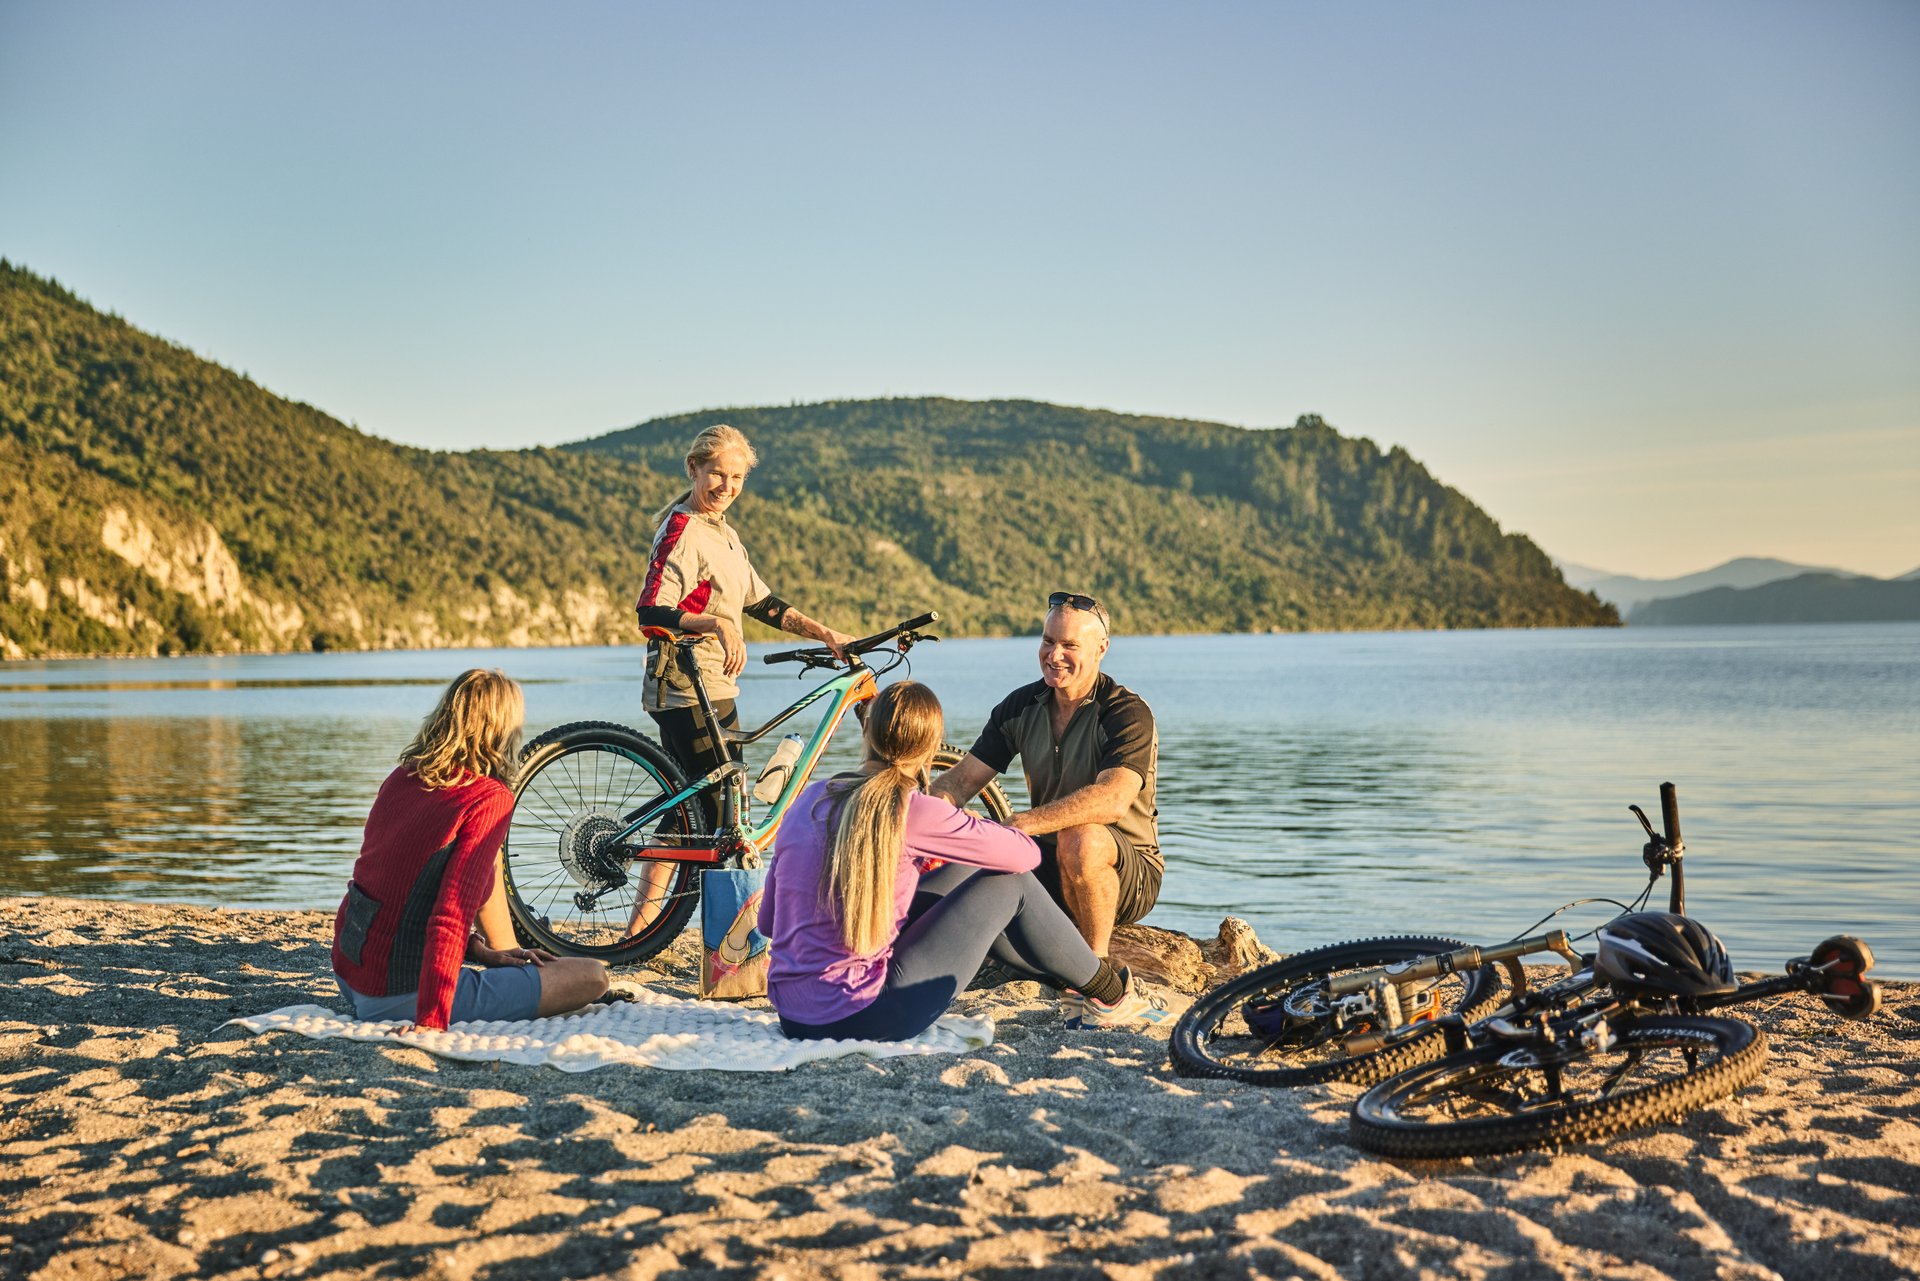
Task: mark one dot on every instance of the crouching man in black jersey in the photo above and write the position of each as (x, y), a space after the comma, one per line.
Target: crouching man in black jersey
(1089, 751)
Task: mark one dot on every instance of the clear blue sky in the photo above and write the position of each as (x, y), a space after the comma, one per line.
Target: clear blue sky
(1642, 279)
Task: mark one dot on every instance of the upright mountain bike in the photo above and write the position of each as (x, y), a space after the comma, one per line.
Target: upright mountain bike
(608, 835)
(1629, 1036)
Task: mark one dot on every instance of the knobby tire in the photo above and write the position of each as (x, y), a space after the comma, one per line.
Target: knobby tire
(1470, 1104)
(571, 779)
(1198, 1036)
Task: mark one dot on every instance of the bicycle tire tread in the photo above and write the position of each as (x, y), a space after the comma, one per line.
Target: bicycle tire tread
(574, 727)
(1583, 1123)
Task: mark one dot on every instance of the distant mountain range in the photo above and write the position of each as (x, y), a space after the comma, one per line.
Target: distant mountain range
(153, 502)
(1627, 593)
(1751, 589)
(1804, 598)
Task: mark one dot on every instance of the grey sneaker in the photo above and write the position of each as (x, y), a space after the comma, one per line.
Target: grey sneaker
(1134, 1011)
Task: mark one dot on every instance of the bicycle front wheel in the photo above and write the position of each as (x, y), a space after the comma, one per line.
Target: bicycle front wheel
(571, 887)
(1276, 1026)
(1510, 1096)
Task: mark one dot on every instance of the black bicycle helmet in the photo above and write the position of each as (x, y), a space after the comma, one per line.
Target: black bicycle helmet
(1665, 953)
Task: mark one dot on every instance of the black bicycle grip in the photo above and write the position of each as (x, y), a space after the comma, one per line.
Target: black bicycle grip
(1670, 813)
(878, 639)
(784, 656)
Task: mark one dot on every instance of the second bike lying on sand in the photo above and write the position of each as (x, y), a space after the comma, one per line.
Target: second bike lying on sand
(608, 835)
(1625, 1039)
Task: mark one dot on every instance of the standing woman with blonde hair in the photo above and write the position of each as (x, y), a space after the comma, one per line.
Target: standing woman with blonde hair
(870, 943)
(700, 581)
(427, 891)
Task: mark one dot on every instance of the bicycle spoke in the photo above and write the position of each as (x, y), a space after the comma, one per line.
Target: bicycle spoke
(1616, 1078)
(551, 821)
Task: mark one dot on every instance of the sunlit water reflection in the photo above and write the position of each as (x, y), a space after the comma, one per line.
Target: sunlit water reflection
(1321, 786)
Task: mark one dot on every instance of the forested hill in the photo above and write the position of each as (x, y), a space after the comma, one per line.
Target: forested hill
(1179, 525)
(154, 502)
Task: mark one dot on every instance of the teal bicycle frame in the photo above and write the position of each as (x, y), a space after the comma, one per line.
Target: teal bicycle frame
(738, 840)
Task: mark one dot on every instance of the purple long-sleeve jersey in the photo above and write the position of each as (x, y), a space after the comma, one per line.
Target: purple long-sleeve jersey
(813, 978)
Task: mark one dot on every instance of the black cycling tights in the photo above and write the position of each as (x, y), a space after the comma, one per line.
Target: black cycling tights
(684, 733)
(959, 915)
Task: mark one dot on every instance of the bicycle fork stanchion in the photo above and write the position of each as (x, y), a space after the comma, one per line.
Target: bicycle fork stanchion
(1376, 992)
(1458, 961)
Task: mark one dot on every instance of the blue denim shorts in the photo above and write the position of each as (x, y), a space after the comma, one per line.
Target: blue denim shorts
(503, 993)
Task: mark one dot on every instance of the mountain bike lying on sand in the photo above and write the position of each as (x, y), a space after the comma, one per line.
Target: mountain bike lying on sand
(608, 834)
(1624, 1040)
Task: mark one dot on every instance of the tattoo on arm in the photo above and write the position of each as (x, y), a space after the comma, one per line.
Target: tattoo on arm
(800, 625)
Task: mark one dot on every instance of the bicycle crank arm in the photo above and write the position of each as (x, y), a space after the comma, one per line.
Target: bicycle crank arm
(1759, 988)
(1836, 973)
(1368, 1042)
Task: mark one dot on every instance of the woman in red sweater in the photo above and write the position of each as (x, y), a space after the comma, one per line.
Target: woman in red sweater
(427, 891)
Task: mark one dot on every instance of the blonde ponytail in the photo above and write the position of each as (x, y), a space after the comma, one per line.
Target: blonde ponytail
(903, 728)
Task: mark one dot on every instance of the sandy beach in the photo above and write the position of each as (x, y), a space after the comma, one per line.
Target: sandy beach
(141, 1138)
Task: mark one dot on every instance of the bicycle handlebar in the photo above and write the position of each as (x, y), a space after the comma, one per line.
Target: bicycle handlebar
(823, 657)
(1670, 814)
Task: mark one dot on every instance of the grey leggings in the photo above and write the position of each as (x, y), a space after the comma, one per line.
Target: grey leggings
(959, 915)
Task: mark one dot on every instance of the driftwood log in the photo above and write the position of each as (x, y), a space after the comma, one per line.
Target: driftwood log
(1189, 965)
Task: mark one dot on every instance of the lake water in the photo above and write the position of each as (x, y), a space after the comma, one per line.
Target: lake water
(1321, 786)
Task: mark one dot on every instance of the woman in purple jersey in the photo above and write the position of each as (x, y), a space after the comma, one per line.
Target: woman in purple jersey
(882, 901)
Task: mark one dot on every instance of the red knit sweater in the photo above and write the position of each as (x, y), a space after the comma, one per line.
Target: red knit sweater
(425, 868)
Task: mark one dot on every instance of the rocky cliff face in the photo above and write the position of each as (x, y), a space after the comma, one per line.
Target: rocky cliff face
(196, 563)
(188, 561)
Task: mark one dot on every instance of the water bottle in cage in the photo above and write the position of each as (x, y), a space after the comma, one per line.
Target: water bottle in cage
(773, 779)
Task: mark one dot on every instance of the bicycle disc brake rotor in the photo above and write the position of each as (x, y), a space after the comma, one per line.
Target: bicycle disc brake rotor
(590, 852)
(1306, 1004)
(1300, 1017)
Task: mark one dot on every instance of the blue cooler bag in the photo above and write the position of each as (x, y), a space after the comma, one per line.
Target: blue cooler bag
(733, 952)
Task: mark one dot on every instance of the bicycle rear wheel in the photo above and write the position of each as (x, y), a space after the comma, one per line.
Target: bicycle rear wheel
(571, 888)
(991, 803)
(1303, 1038)
(1510, 1096)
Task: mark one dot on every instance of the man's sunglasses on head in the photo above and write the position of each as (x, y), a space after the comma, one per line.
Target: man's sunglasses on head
(1086, 604)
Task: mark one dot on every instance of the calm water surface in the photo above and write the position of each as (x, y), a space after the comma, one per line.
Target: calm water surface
(1321, 786)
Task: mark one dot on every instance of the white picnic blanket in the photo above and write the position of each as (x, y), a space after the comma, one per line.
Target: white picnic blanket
(651, 1030)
